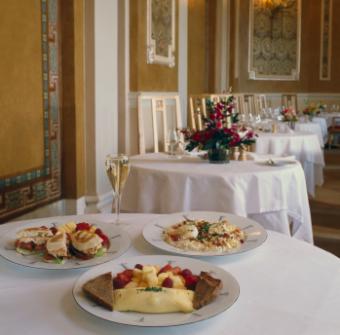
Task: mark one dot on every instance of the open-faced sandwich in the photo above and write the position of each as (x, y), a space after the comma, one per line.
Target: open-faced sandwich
(151, 289)
(56, 244)
(32, 240)
(57, 248)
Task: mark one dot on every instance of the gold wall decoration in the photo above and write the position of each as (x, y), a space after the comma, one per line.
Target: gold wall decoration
(30, 167)
(326, 39)
(274, 40)
(161, 32)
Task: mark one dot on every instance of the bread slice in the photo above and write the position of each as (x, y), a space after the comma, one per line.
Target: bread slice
(100, 290)
(207, 289)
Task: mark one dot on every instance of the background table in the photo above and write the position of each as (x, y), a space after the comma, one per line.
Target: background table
(314, 128)
(323, 125)
(287, 287)
(304, 146)
(159, 183)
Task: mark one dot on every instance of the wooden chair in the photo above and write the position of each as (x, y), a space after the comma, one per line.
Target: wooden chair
(246, 103)
(198, 108)
(334, 133)
(290, 101)
(261, 103)
(159, 114)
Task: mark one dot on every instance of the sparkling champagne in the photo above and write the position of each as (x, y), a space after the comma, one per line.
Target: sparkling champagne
(117, 170)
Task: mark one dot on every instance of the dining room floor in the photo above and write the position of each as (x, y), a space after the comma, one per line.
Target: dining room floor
(325, 207)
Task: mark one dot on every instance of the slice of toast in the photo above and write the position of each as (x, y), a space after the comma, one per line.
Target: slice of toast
(207, 289)
(100, 290)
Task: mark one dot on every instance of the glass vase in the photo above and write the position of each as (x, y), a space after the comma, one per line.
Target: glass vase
(218, 156)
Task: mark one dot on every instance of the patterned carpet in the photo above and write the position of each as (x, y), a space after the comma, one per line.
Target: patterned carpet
(325, 207)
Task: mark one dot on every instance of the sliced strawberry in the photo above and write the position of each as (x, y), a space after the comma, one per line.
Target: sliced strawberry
(106, 241)
(167, 282)
(83, 226)
(186, 273)
(165, 268)
(128, 273)
(176, 270)
(118, 283)
(190, 282)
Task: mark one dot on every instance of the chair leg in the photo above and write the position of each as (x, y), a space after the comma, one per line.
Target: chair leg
(330, 141)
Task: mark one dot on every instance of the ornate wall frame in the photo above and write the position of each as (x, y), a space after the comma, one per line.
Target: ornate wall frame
(274, 65)
(161, 18)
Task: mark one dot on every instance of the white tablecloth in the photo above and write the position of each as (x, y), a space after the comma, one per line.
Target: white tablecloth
(159, 183)
(311, 127)
(304, 146)
(323, 125)
(328, 117)
(287, 287)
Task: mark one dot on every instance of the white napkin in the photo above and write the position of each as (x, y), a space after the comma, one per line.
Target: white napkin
(265, 158)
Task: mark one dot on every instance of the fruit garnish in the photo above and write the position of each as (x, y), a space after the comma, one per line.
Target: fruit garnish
(191, 281)
(83, 226)
(165, 268)
(168, 282)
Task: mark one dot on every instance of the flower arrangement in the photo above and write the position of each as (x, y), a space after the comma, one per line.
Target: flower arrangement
(289, 115)
(221, 129)
(314, 109)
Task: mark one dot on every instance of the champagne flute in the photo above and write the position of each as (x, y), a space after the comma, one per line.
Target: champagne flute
(117, 170)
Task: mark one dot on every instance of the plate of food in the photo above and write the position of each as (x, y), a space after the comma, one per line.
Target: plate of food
(64, 245)
(156, 291)
(204, 233)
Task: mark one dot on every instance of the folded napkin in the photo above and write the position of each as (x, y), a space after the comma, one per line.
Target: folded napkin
(266, 158)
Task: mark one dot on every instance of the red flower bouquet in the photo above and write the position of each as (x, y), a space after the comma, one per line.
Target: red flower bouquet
(221, 129)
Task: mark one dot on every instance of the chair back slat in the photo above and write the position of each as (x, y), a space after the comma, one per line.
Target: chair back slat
(289, 101)
(166, 108)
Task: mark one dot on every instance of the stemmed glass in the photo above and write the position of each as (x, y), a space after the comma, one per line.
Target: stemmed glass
(175, 143)
(117, 170)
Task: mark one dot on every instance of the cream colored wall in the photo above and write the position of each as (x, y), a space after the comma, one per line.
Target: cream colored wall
(310, 53)
(21, 135)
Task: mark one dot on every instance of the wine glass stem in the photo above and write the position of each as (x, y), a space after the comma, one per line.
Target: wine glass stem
(118, 198)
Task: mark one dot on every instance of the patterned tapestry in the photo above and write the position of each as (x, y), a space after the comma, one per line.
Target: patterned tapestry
(18, 193)
(161, 25)
(274, 41)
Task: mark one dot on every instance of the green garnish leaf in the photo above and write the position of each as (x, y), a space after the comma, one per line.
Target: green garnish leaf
(152, 289)
(100, 252)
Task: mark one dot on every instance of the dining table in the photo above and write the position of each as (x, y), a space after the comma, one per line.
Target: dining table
(273, 195)
(287, 286)
(304, 146)
(314, 128)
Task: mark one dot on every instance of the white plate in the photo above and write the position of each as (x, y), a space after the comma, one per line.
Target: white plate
(255, 233)
(228, 296)
(119, 243)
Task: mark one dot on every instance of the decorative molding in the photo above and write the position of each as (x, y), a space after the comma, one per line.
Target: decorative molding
(274, 54)
(326, 39)
(163, 11)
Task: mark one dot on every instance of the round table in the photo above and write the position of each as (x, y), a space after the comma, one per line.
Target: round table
(311, 127)
(304, 146)
(274, 196)
(287, 287)
(323, 125)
